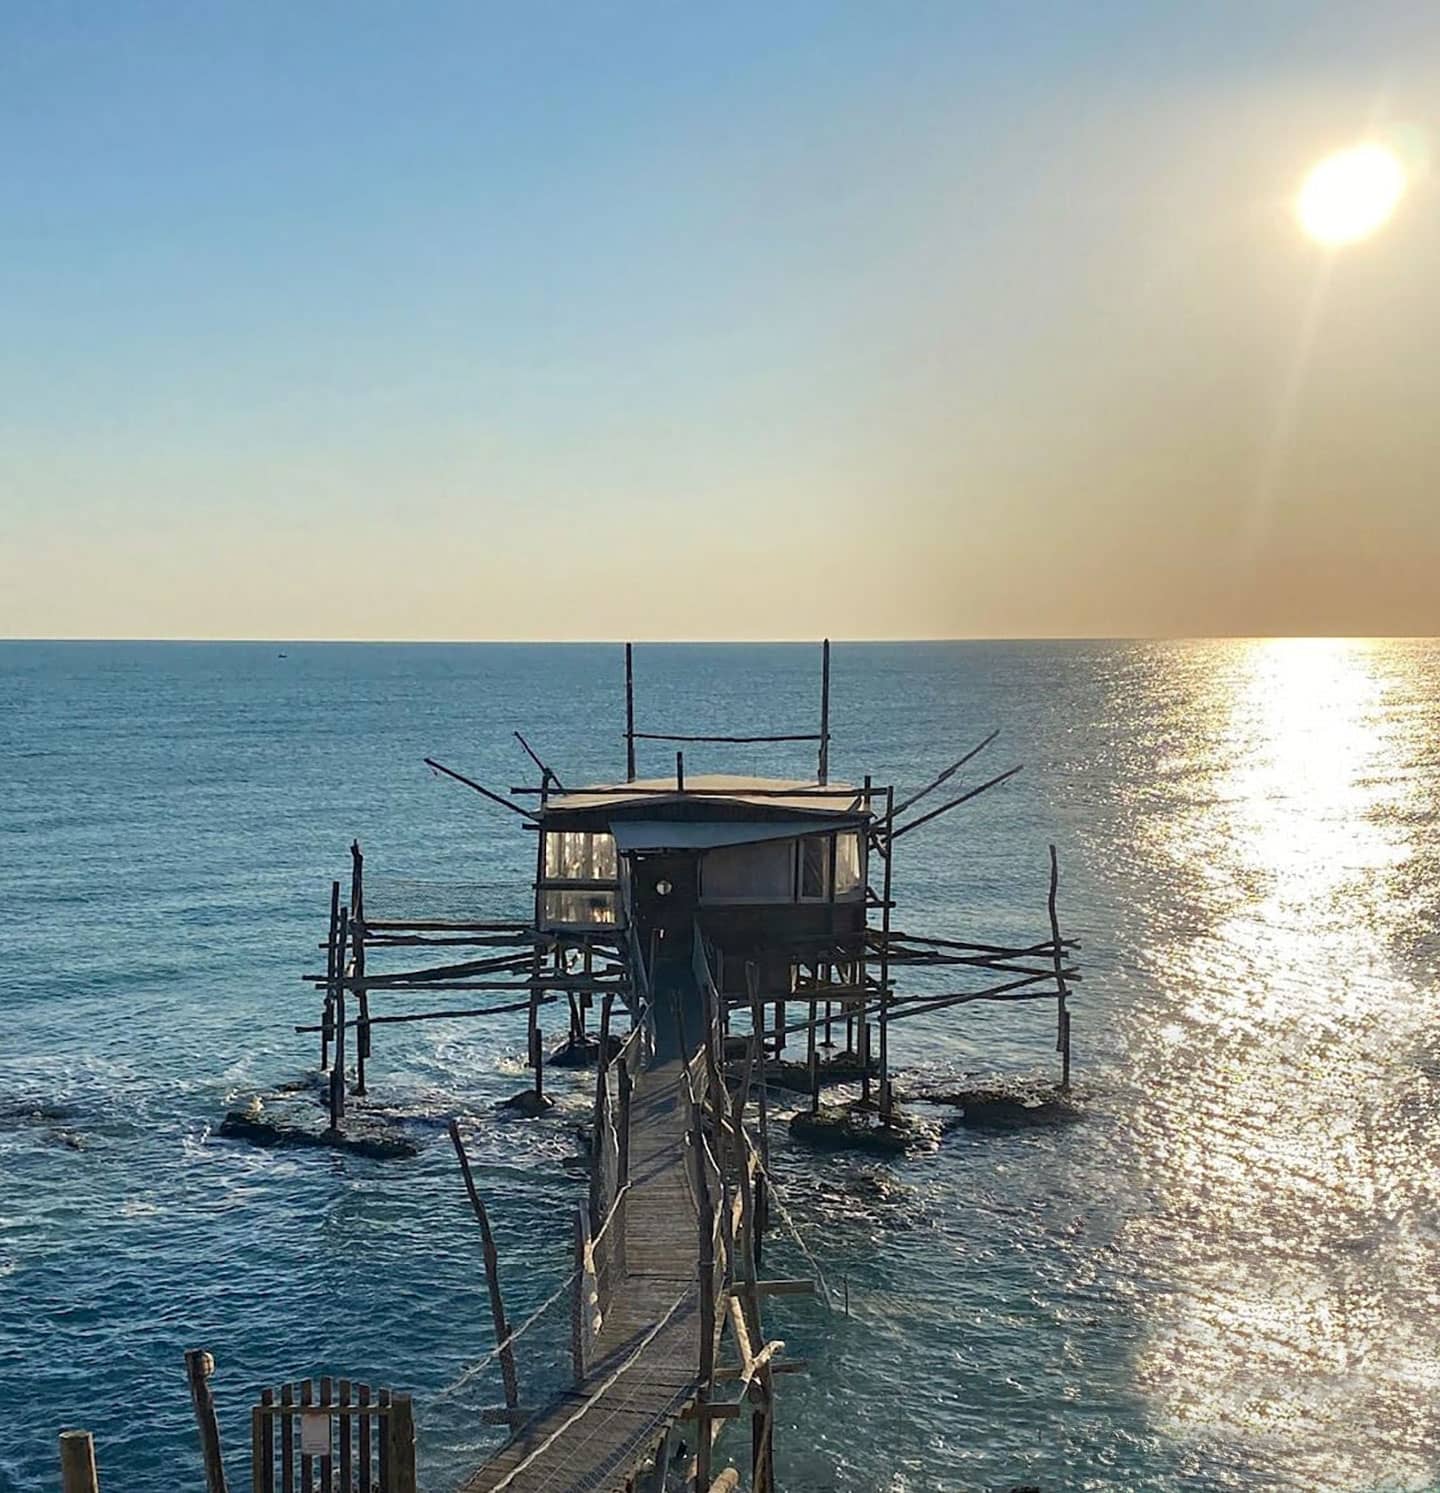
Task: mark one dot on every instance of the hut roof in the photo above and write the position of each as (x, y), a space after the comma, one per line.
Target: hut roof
(724, 791)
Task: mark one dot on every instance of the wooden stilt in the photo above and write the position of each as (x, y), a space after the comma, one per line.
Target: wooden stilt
(337, 1071)
(492, 1276)
(1062, 1012)
(357, 943)
(629, 713)
(327, 1020)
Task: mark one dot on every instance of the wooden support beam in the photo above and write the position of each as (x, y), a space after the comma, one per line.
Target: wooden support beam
(1062, 1013)
(198, 1368)
(798, 1287)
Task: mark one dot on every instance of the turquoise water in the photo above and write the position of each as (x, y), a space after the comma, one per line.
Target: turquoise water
(1226, 1277)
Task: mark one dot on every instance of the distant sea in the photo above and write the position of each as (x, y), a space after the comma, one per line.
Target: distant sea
(1226, 1277)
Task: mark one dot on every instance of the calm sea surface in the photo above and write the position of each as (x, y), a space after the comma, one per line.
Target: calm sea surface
(1228, 1276)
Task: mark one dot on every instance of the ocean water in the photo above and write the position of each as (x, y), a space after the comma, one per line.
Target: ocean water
(1227, 1276)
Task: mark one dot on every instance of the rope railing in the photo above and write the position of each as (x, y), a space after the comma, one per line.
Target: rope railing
(590, 1402)
(469, 1375)
(773, 1194)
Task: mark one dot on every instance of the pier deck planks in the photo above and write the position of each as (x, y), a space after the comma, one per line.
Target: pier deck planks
(623, 1421)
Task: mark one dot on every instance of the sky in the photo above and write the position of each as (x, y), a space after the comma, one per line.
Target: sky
(457, 321)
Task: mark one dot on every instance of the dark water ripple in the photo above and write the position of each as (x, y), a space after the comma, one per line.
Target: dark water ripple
(1226, 1277)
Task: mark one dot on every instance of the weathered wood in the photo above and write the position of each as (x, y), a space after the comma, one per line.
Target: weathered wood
(1062, 1014)
(904, 829)
(480, 788)
(384, 1481)
(267, 1435)
(327, 1462)
(346, 1431)
(307, 1462)
(198, 1367)
(823, 773)
(337, 1071)
(492, 1274)
(287, 1439)
(328, 1016)
(888, 852)
(400, 1443)
(629, 713)
(363, 1449)
(357, 937)
(78, 1473)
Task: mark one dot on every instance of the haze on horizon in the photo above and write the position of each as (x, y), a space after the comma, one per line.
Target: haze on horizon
(934, 320)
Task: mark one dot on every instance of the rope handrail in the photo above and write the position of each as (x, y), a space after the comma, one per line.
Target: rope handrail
(517, 1333)
(773, 1192)
(594, 1398)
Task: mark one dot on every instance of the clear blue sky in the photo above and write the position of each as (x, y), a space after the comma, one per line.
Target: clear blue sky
(746, 320)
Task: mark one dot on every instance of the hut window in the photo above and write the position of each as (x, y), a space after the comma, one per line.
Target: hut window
(572, 907)
(575, 855)
(814, 868)
(750, 873)
(849, 878)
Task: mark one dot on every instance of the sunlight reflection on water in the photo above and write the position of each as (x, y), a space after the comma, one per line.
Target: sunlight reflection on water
(1280, 1125)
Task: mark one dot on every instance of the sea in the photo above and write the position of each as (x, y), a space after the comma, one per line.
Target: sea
(1225, 1275)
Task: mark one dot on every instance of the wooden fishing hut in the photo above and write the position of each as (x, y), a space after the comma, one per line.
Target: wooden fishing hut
(733, 919)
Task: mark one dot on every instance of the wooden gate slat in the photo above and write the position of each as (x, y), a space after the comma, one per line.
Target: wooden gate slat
(307, 1463)
(347, 1430)
(287, 1438)
(267, 1440)
(363, 1470)
(327, 1465)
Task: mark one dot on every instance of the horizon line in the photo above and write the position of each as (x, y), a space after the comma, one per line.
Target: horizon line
(1136, 637)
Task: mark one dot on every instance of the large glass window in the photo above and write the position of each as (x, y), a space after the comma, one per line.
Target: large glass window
(559, 905)
(750, 873)
(849, 874)
(577, 855)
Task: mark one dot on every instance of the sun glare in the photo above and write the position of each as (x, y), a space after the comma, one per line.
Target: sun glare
(1350, 194)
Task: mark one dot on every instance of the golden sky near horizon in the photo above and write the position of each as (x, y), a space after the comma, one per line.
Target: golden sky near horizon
(955, 330)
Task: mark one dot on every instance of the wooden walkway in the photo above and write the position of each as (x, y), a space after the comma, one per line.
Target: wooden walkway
(643, 1366)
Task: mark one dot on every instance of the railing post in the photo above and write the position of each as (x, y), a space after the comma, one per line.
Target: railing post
(198, 1367)
(400, 1444)
(77, 1463)
(622, 1168)
(492, 1276)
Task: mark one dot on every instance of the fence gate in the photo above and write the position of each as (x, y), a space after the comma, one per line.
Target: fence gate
(320, 1435)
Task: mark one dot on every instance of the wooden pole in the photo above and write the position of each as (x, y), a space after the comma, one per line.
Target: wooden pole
(535, 1041)
(198, 1367)
(327, 1021)
(629, 713)
(77, 1463)
(337, 1070)
(400, 1442)
(1062, 1014)
(492, 1275)
(680, 772)
(823, 777)
(357, 944)
(885, 1097)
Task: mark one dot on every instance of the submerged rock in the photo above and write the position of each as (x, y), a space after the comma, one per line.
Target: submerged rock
(858, 1128)
(257, 1129)
(583, 1052)
(528, 1104)
(1013, 1106)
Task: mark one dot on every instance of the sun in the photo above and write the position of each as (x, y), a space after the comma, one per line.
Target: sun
(1350, 194)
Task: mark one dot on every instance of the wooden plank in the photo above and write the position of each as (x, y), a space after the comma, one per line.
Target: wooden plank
(287, 1438)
